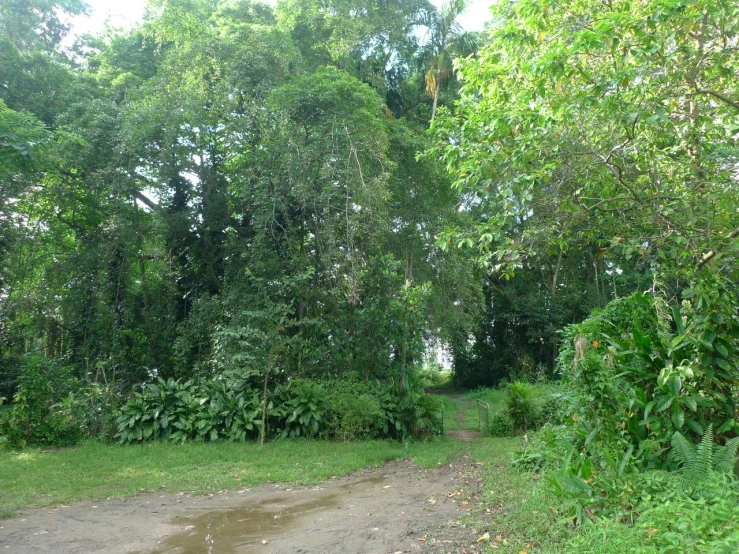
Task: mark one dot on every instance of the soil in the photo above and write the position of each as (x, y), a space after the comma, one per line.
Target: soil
(396, 508)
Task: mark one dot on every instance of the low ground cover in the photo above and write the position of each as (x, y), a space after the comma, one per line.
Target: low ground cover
(532, 497)
(34, 477)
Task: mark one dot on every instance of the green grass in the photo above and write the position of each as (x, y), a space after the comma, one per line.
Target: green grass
(465, 404)
(460, 412)
(522, 511)
(494, 397)
(529, 518)
(35, 478)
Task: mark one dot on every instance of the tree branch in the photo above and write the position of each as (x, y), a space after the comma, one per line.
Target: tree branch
(144, 199)
(712, 254)
(603, 201)
(719, 96)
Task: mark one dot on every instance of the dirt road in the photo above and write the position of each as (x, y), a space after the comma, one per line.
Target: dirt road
(398, 508)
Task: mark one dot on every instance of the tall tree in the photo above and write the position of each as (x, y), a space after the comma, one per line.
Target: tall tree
(443, 31)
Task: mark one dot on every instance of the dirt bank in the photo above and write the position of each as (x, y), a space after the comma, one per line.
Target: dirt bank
(398, 508)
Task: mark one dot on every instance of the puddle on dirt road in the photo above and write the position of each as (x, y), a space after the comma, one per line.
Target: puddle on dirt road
(242, 529)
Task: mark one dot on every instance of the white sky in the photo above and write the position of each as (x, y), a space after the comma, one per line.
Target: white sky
(125, 13)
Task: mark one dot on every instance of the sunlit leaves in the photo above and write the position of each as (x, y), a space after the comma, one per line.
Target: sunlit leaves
(600, 120)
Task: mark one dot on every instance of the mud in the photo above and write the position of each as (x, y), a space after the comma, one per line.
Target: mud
(397, 508)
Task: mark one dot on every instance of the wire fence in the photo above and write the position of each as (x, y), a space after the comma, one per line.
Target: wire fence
(483, 415)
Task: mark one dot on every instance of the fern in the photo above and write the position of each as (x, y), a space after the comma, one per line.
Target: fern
(699, 462)
(704, 455)
(726, 457)
(683, 450)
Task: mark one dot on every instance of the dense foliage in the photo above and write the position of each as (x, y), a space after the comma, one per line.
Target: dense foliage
(230, 408)
(230, 222)
(594, 146)
(227, 188)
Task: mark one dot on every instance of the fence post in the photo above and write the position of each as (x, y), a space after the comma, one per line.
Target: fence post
(442, 417)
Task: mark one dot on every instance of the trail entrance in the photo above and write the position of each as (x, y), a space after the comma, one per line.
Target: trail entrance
(463, 418)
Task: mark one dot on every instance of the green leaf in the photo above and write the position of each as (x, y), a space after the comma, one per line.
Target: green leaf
(721, 349)
(695, 426)
(691, 403)
(664, 403)
(726, 426)
(723, 364)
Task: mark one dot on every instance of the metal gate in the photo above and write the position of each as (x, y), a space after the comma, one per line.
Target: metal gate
(483, 415)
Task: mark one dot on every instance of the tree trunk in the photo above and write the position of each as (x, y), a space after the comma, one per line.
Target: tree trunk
(436, 96)
(555, 277)
(403, 351)
(264, 406)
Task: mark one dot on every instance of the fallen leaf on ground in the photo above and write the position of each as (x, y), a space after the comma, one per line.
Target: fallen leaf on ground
(484, 538)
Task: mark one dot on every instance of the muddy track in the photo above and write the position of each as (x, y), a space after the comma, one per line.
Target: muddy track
(397, 508)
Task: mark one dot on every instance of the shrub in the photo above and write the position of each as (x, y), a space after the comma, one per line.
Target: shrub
(176, 410)
(44, 411)
(640, 380)
(548, 411)
(410, 413)
(356, 416)
(500, 425)
(306, 408)
(228, 407)
(521, 405)
(433, 377)
(668, 519)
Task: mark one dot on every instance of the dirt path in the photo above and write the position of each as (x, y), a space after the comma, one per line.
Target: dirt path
(461, 430)
(398, 508)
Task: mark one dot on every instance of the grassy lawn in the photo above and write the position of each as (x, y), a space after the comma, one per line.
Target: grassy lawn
(459, 412)
(494, 397)
(35, 478)
(519, 509)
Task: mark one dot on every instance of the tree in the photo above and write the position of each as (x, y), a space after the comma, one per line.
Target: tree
(604, 124)
(258, 339)
(443, 31)
(154, 169)
(36, 75)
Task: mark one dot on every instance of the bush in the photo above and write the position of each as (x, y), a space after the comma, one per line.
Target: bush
(176, 410)
(44, 411)
(527, 407)
(669, 520)
(521, 405)
(230, 408)
(639, 379)
(500, 425)
(433, 377)
(307, 409)
(356, 416)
